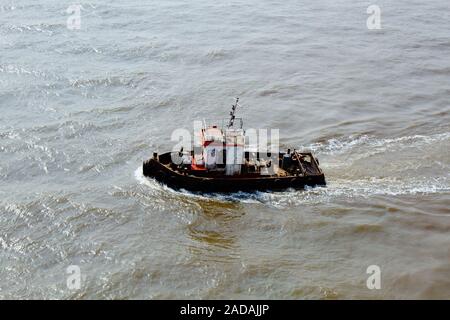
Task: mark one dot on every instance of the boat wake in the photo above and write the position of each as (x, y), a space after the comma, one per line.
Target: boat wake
(352, 166)
(336, 146)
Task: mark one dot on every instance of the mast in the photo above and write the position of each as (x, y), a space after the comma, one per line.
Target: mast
(232, 116)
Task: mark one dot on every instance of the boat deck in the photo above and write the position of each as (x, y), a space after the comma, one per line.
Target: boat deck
(306, 165)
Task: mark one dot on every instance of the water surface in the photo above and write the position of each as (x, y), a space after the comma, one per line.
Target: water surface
(81, 109)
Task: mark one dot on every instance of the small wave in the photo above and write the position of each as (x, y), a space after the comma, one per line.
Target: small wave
(112, 81)
(216, 54)
(268, 92)
(21, 139)
(107, 110)
(25, 71)
(43, 28)
(337, 146)
(7, 8)
(445, 71)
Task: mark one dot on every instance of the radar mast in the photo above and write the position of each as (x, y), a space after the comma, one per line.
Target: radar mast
(232, 116)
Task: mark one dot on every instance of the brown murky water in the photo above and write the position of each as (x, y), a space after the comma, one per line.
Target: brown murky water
(82, 108)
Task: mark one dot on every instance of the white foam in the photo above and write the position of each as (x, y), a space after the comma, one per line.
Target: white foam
(339, 189)
(338, 146)
(156, 186)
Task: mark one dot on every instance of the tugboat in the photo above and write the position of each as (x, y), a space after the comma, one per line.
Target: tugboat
(221, 163)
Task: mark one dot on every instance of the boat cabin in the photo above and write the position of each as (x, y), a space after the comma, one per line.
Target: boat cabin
(221, 149)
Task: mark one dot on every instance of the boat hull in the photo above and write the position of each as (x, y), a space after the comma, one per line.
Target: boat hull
(154, 169)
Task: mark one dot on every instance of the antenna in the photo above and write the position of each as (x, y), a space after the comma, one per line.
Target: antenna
(232, 116)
